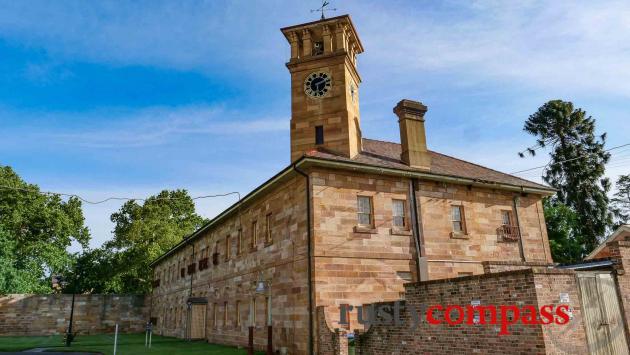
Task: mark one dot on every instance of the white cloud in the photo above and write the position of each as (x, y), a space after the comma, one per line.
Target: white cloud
(562, 46)
(144, 127)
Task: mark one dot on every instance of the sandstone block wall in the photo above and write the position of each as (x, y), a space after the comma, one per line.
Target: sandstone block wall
(355, 266)
(228, 286)
(364, 265)
(93, 314)
(452, 256)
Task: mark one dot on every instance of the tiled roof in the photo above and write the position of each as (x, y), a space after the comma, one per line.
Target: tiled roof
(387, 155)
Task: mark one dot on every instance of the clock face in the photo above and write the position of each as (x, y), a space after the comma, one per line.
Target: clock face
(317, 84)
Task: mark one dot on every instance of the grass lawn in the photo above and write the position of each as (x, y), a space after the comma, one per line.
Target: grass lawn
(128, 344)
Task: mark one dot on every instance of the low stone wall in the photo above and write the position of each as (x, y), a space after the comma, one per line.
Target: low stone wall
(50, 314)
(511, 288)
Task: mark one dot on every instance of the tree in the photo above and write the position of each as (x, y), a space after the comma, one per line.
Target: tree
(577, 166)
(141, 234)
(35, 231)
(620, 203)
(563, 229)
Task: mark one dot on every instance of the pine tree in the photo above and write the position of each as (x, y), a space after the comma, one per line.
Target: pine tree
(577, 166)
(620, 203)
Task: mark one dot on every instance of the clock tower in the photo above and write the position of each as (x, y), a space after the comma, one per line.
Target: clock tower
(324, 87)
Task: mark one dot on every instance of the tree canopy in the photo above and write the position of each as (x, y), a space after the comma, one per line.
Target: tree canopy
(576, 169)
(620, 203)
(35, 230)
(142, 232)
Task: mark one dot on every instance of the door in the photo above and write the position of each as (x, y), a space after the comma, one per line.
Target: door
(198, 321)
(602, 314)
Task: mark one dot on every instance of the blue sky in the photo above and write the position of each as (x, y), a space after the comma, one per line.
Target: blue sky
(127, 98)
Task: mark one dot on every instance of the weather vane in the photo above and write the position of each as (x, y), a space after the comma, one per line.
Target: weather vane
(323, 8)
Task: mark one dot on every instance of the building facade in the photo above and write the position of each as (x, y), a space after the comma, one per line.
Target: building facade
(349, 221)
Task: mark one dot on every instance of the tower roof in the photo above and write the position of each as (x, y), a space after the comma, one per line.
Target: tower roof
(342, 19)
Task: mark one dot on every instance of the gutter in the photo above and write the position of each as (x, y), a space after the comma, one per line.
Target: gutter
(309, 257)
(427, 176)
(354, 167)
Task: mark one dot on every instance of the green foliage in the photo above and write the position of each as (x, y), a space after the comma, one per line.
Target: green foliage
(35, 231)
(565, 241)
(127, 344)
(577, 166)
(142, 233)
(620, 203)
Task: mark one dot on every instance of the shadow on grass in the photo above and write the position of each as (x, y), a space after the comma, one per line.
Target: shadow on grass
(127, 344)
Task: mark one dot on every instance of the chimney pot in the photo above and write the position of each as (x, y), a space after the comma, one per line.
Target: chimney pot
(413, 139)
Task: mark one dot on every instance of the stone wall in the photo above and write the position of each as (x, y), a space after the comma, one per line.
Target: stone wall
(355, 265)
(517, 288)
(452, 255)
(228, 286)
(93, 314)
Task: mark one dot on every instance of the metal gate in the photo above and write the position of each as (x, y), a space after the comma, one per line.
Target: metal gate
(198, 321)
(602, 315)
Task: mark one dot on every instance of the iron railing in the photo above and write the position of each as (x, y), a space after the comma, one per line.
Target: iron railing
(508, 233)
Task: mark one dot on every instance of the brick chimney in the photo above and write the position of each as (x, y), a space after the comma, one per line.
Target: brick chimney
(412, 136)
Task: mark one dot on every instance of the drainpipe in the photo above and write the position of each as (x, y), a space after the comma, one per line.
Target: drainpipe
(309, 257)
(515, 201)
(188, 305)
(415, 226)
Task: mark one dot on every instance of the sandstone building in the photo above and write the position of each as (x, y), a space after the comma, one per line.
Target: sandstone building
(348, 221)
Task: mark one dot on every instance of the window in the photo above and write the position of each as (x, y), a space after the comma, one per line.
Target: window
(254, 311)
(508, 231)
(238, 313)
(225, 315)
(364, 213)
(319, 134)
(214, 314)
(227, 247)
(506, 218)
(457, 218)
(267, 310)
(268, 238)
(398, 212)
(239, 242)
(254, 234)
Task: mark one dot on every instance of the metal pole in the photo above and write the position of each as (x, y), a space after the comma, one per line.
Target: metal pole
(150, 335)
(269, 326)
(146, 338)
(115, 338)
(69, 334)
(250, 335)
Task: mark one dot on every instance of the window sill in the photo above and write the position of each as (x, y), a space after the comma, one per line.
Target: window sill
(268, 243)
(365, 229)
(459, 235)
(399, 231)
